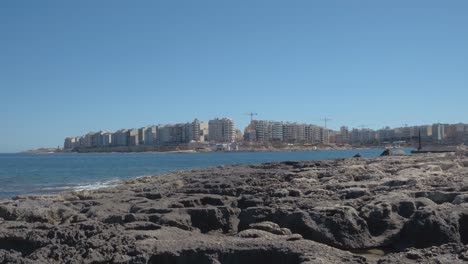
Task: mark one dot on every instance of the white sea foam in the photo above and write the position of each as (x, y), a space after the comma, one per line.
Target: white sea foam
(82, 186)
(96, 185)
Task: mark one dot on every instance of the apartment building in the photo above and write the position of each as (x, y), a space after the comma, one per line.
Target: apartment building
(151, 134)
(294, 132)
(313, 134)
(120, 138)
(171, 134)
(221, 130)
(204, 131)
(71, 142)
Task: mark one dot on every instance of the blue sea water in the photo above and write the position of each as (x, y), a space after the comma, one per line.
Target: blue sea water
(51, 173)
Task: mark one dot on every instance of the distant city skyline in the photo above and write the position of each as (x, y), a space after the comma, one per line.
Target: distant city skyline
(70, 68)
(221, 134)
(317, 123)
(136, 134)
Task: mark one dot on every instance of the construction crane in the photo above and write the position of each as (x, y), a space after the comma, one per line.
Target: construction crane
(325, 120)
(251, 114)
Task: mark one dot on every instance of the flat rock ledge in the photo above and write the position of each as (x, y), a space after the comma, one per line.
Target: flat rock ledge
(396, 209)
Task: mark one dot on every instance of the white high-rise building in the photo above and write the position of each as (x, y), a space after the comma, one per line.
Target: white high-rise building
(221, 130)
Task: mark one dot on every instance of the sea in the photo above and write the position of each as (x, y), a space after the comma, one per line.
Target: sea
(43, 174)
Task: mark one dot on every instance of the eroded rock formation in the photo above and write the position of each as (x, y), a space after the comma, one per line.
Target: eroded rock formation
(288, 212)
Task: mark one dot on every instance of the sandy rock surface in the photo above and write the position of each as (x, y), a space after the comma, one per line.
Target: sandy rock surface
(414, 209)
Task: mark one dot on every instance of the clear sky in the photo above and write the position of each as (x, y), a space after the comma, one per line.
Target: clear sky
(70, 67)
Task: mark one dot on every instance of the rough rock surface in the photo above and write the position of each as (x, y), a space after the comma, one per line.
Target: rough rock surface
(412, 208)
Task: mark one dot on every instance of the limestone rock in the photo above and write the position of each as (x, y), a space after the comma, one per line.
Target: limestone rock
(281, 212)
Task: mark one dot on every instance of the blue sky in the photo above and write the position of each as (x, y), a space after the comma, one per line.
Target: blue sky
(70, 67)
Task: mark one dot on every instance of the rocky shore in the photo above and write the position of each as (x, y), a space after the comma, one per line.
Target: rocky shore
(405, 209)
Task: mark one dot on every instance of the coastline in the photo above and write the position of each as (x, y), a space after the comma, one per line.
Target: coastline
(191, 151)
(297, 210)
(39, 174)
